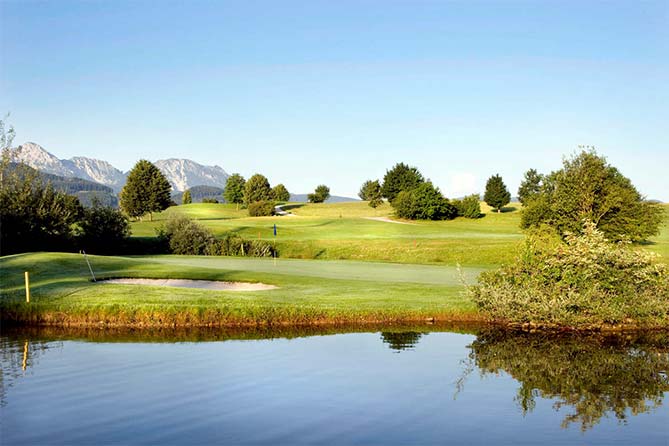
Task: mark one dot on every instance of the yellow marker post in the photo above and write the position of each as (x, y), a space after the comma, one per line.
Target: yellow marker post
(27, 287)
(25, 356)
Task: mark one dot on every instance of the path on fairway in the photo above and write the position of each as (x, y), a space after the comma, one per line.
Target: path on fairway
(278, 210)
(331, 269)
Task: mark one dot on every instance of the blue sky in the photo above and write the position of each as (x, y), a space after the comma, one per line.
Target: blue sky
(336, 92)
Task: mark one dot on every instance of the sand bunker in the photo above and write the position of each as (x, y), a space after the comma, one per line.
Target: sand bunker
(200, 284)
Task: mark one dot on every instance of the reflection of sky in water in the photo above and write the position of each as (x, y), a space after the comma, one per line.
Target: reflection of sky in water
(335, 389)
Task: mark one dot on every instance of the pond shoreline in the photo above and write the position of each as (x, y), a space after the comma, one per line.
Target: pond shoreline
(90, 321)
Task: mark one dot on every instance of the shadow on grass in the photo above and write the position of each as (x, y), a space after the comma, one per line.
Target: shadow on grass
(288, 207)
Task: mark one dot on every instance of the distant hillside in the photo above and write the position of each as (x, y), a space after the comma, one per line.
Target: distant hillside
(197, 193)
(302, 198)
(85, 190)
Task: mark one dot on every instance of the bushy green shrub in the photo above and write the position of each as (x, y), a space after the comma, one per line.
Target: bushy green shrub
(103, 229)
(468, 207)
(261, 208)
(425, 202)
(186, 237)
(582, 281)
(321, 194)
(209, 200)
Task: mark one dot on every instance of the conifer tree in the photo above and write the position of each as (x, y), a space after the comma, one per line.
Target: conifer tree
(530, 186)
(186, 198)
(400, 178)
(496, 193)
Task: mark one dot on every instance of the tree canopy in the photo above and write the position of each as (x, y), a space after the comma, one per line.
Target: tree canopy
(530, 186)
(371, 192)
(146, 190)
(496, 194)
(280, 193)
(588, 188)
(400, 178)
(321, 194)
(257, 189)
(186, 198)
(234, 189)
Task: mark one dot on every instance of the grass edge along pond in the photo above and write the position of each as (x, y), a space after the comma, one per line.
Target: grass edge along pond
(309, 292)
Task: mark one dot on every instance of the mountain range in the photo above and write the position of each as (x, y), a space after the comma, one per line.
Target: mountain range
(181, 173)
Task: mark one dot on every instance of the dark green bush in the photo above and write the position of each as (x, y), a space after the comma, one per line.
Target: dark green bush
(261, 208)
(425, 202)
(209, 200)
(103, 229)
(184, 236)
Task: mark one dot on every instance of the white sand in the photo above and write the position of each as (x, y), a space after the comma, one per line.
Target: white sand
(387, 220)
(200, 284)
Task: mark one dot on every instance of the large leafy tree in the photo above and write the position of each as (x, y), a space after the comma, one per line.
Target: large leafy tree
(588, 188)
(257, 189)
(146, 191)
(530, 186)
(234, 189)
(496, 194)
(280, 193)
(400, 178)
(321, 194)
(371, 192)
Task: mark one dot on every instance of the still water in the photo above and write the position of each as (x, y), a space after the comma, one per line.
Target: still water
(391, 386)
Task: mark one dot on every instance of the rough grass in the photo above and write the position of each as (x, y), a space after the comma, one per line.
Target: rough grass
(309, 292)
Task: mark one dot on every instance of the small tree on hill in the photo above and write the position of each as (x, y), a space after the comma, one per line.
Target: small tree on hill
(186, 198)
(146, 191)
(496, 194)
(234, 189)
(371, 192)
(400, 177)
(321, 194)
(257, 189)
(280, 193)
(530, 186)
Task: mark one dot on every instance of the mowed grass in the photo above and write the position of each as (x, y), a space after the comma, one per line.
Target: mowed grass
(347, 231)
(308, 292)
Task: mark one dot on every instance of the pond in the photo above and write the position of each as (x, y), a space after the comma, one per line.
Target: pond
(379, 385)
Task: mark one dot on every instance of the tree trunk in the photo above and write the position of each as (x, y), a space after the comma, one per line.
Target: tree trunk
(499, 210)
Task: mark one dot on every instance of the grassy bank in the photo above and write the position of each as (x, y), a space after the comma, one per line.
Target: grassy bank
(309, 292)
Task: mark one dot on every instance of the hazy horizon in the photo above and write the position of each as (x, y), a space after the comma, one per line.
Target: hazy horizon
(336, 93)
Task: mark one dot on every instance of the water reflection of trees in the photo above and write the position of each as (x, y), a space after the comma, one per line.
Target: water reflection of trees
(401, 340)
(593, 376)
(16, 357)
